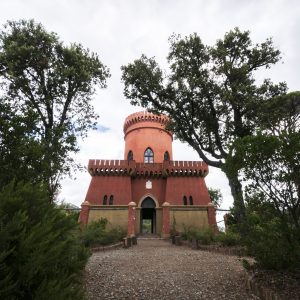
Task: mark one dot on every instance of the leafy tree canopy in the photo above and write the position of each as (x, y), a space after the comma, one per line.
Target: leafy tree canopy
(51, 85)
(215, 196)
(270, 160)
(20, 152)
(210, 94)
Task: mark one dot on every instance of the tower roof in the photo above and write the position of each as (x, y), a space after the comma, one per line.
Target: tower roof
(144, 116)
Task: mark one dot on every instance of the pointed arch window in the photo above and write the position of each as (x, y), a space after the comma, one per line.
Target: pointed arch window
(184, 200)
(191, 200)
(148, 156)
(166, 156)
(130, 155)
(111, 199)
(105, 200)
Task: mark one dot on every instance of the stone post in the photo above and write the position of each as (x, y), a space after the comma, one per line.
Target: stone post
(211, 212)
(131, 219)
(166, 220)
(225, 217)
(84, 213)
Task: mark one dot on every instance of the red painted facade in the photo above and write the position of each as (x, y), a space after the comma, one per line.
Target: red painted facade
(148, 169)
(143, 130)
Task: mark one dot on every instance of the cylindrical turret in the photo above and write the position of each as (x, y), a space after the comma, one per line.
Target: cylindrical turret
(146, 139)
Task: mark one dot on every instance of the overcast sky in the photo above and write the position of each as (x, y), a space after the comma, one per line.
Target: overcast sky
(121, 30)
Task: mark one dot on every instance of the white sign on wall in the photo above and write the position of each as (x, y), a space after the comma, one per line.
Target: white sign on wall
(148, 185)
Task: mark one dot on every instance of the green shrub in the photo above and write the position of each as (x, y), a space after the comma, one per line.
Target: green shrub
(73, 215)
(96, 234)
(228, 239)
(205, 236)
(273, 244)
(40, 255)
(188, 232)
(271, 238)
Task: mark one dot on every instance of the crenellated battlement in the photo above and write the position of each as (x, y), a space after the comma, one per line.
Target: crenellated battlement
(144, 116)
(102, 167)
(110, 167)
(186, 168)
(149, 170)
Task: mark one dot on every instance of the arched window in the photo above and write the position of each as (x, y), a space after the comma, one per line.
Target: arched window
(130, 155)
(184, 200)
(111, 200)
(148, 156)
(166, 156)
(191, 200)
(105, 200)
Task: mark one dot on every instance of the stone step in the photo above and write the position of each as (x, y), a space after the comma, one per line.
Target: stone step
(149, 237)
(154, 238)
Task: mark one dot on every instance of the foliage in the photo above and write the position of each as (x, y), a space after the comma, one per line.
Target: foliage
(96, 234)
(205, 236)
(270, 161)
(146, 226)
(50, 85)
(40, 254)
(74, 215)
(20, 153)
(280, 114)
(174, 231)
(273, 243)
(69, 209)
(229, 238)
(210, 94)
(65, 205)
(215, 196)
(188, 232)
(272, 167)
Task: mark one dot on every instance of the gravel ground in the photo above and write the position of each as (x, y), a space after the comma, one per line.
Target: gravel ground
(156, 269)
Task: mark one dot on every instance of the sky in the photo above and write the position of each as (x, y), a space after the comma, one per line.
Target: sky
(121, 30)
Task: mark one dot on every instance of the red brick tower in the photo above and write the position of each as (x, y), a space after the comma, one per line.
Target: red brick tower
(147, 131)
(148, 191)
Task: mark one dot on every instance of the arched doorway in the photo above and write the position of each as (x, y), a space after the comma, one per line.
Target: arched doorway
(148, 216)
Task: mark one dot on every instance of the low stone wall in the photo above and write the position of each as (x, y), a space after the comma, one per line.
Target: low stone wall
(236, 251)
(126, 243)
(107, 248)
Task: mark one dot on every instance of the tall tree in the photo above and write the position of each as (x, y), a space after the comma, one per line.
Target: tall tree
(42, 77)
(211, 94)
(20, 152)
(270, 159)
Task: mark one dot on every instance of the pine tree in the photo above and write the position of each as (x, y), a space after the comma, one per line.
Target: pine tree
(40, 255)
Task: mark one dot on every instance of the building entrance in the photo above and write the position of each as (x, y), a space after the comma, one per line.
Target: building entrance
(148, 216)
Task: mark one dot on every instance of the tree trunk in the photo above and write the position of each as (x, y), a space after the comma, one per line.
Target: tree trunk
(295, 218)
(237, 194)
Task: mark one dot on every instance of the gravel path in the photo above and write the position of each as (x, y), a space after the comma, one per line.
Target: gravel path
(156, 269)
